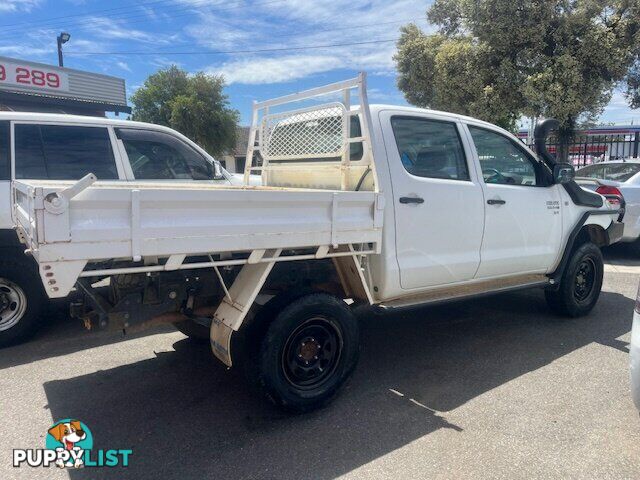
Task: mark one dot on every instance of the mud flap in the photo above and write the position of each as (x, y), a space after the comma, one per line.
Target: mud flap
(220, 338)
(236, 304)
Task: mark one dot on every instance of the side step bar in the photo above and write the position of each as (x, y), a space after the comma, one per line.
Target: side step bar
(469, 290)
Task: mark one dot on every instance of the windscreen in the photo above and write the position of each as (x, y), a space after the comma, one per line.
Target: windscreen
(619, 172)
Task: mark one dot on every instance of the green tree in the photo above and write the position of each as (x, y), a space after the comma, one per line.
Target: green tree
(499, 60)
(194, 105)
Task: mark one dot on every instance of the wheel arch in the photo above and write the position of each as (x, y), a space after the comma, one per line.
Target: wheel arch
(587, 229)
(593, 233)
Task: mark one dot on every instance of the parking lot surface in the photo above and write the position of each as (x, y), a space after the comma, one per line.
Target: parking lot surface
(491, 388)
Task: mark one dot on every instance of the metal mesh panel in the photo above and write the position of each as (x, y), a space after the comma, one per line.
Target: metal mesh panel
(305, 134)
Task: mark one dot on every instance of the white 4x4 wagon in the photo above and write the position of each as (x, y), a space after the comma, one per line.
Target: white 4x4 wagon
(66, 147)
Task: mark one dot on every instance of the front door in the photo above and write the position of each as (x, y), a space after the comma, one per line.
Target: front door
(523, 222)
(438, 204)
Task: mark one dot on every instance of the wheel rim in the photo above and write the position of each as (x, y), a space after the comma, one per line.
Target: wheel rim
(13, 304)
(311, 353)
(585, 279)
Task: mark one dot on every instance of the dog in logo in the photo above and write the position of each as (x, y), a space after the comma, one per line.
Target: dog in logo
(69, 433)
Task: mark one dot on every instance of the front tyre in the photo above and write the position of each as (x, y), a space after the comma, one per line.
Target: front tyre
(580, 284)
(309, 351)
(21, 301)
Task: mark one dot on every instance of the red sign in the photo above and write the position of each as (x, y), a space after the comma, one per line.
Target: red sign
(34, 77)
(580, 149)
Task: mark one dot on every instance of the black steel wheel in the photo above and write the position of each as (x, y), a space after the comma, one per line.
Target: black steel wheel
(309, 350)
(585, 279)
(580, 284)
(312, 352)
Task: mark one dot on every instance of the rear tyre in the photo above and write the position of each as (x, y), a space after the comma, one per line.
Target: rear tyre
(580, 284)
(21, 299)
(308, 352)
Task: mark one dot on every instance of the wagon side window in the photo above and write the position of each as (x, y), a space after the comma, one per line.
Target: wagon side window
(61, 152)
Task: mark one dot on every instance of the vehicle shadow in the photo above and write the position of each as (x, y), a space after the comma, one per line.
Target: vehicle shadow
(186, 416)
(61, 335)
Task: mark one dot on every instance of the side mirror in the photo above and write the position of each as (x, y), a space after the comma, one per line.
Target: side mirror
(217, 171)
(563, 173)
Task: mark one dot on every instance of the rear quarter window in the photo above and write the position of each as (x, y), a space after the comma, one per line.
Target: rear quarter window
(60, 152)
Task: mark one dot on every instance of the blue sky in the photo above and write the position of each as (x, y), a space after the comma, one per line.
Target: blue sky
(28, 29)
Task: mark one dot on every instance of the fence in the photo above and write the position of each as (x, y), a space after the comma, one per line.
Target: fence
(588, 148)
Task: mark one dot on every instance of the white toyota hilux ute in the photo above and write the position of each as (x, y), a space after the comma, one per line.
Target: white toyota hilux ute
(381, 205)
(68, 147)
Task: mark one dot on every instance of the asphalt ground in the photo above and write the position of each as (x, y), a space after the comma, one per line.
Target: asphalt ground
(490, 388)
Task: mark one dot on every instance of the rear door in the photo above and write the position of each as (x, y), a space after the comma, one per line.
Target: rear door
(438, 204)
(523, 221)
(5, 177)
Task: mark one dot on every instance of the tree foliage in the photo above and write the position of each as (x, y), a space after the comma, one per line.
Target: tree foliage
(194, 105)
(499, 60)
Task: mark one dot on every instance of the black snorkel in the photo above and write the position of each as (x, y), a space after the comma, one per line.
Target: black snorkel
(563, 173)
(540, 134)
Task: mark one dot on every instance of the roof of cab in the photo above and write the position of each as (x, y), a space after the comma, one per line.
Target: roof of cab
(65, 118)
(426, 111)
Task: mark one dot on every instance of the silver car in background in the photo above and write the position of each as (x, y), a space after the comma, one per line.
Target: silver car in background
(634, 353)
(617, 178)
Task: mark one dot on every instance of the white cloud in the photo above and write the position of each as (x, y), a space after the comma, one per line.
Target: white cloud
(21, 51)
(164, 62)
(274, 70)
(299, 24)
(618, 111)
(377, 95)
(124, 66)
(18, 5)
(105, 27)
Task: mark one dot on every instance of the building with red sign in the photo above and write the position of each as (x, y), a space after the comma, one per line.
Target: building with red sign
(37, 87)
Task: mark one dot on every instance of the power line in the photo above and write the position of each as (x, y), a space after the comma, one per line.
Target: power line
(262, 50)
(230, 52)
(350, 27)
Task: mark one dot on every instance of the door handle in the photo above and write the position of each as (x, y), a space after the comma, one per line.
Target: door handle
(411, 200)
(495, 201)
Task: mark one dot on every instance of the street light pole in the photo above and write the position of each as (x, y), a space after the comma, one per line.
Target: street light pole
(62, 39)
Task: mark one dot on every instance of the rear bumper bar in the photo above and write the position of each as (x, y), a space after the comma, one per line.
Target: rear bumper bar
(614, 232)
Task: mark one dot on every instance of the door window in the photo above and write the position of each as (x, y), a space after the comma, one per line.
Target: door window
(59, 152)
(430, 148)
(160, 156)
(502, 160)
